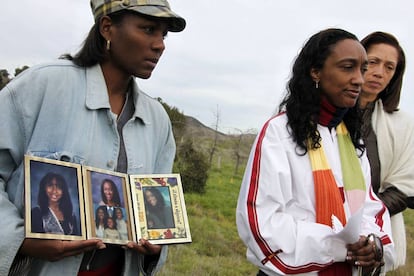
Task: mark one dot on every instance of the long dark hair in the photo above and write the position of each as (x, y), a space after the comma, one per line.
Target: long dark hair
(65, 203)
(93, 50)
(157, 194)
(390, 96)
(302, 101)
(105, 211)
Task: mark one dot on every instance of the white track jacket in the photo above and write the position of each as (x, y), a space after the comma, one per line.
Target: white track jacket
(276, 206)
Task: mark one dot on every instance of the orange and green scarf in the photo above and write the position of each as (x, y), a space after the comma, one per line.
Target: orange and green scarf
(328, 197)
(329, 200)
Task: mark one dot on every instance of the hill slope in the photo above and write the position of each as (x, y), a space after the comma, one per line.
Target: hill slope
(227, 145)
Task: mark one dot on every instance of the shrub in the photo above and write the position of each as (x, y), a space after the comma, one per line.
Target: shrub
(193, 167)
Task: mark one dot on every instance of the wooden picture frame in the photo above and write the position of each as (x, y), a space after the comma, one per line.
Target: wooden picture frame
(54, 203)
(119, 213)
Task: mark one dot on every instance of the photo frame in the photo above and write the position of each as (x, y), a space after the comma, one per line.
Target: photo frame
(164, 223)
(68, 201)
(54, 203)
(109, 212)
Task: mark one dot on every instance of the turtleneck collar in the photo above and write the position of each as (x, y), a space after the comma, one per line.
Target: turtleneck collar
(330, 115)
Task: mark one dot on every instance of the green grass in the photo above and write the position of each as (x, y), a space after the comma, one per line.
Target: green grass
(408, 269)
(216, 248)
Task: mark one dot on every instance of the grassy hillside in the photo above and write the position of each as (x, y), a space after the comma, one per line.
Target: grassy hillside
(216, 248)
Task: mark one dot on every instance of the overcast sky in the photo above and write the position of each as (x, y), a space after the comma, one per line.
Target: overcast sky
(234, 57)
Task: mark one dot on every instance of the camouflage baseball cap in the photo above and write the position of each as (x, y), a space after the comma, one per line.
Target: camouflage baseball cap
(154, 8)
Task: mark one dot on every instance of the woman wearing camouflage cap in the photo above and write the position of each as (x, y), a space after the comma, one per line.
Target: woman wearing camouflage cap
(88, 109)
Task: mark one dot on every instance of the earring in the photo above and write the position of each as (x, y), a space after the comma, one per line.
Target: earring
(317, 84)
(108, 45)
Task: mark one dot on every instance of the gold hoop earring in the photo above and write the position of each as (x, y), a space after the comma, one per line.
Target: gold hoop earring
(108, 45)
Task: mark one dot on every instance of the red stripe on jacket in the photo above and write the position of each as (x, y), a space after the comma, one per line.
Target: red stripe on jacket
(252, 216)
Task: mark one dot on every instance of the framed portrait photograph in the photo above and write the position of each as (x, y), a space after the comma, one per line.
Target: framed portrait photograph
(109, 212)
(68, 201)
(54, 203)
(160, 208)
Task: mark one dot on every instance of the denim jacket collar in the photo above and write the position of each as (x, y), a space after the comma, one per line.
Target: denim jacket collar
(97, 94)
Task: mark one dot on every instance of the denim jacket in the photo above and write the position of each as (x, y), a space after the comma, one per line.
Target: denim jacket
(61, 111)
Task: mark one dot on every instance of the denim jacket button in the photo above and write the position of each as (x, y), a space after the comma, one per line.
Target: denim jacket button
(110, 163)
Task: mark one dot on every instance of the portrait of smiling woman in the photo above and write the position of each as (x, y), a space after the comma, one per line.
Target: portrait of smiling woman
(54, 213)
(109, 196)
(159, 213)
(101, 216)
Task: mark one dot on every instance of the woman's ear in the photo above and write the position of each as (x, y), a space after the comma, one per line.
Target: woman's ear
(315, 75)
(105, 27)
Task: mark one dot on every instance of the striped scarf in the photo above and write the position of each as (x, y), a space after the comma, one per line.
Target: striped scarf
(328, 196)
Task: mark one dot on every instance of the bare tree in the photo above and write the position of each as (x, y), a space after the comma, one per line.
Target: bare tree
(239, 145)
(216, 135)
